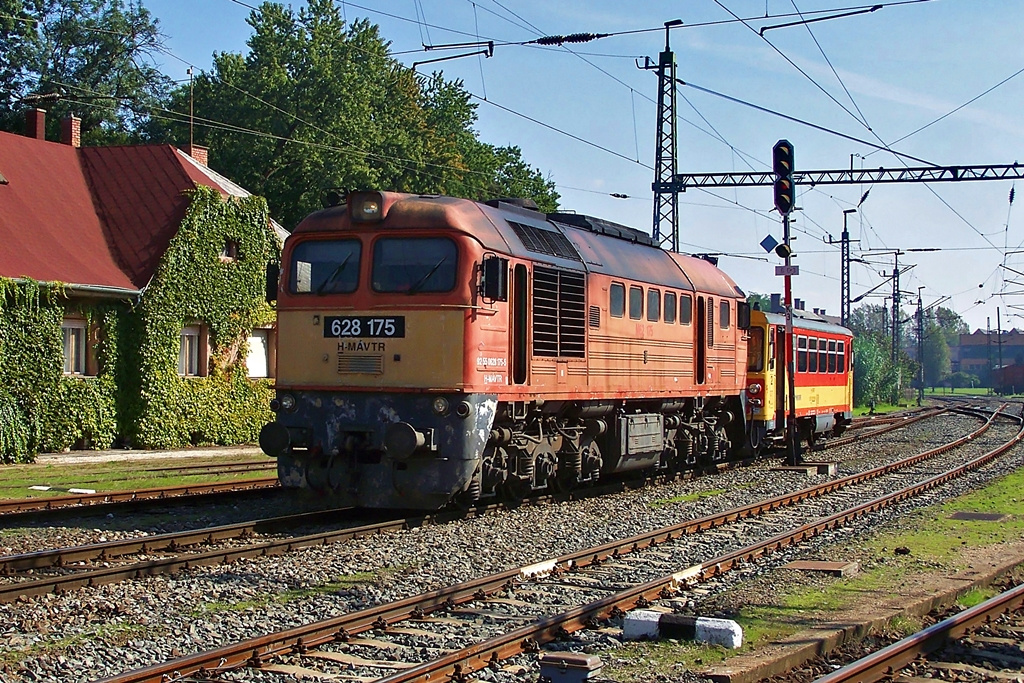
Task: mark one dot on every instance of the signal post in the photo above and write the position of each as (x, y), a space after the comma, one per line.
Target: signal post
(785, 198)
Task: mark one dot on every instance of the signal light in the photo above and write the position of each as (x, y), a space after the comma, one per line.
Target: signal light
(782, 158)
(784, 195)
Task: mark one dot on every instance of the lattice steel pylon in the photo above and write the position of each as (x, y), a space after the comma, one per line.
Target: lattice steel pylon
(666, 203)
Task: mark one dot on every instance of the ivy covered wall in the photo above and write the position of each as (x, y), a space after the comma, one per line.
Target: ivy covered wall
(138, 399)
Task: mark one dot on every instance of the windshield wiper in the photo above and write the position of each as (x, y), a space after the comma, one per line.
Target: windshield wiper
(333, 276)
(423, 280)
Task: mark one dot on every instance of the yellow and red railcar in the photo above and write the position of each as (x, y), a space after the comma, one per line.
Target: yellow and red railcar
(823, 378)
(433, 349)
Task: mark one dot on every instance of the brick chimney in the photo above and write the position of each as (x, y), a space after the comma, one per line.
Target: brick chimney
(35, 123)
(198, 152)
(71, 131)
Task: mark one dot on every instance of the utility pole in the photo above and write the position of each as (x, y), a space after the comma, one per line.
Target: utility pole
(999, 348)
(920, 348)
(666, 202)
(844, 296)
(896, 308)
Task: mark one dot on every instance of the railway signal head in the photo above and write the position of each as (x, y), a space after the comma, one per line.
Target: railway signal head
(784, 195)
(782, 159)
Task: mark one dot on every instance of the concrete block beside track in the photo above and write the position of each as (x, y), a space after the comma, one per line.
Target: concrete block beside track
(647, 624)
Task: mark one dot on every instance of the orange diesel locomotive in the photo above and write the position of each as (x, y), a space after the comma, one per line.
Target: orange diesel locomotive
(434, 349)
(823, 379)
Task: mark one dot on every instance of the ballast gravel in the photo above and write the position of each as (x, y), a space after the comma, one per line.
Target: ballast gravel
(93, 633)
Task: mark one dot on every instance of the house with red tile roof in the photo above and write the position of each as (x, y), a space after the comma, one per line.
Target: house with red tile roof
(145, 269)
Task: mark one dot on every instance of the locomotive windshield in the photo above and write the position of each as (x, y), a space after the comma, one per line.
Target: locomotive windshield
(414, 264)
(325, 267)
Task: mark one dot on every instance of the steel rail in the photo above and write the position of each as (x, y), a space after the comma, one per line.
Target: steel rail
(21, 505)
(885, 429)
(886, 662)
(298, 639)
(527, 639)
(169, 542)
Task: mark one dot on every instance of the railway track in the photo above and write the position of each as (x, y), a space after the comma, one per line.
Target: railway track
(979, 642)
(425, 637)
(71, 568)
(104, 502)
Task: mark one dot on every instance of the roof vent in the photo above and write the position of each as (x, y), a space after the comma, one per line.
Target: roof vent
(521, 202)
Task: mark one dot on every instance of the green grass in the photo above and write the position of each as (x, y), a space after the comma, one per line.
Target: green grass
(935, 542)
(117, 634)
(124, 475)
(341, 583)
(959, 391)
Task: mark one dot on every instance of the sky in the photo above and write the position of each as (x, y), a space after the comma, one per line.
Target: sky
(585, 115)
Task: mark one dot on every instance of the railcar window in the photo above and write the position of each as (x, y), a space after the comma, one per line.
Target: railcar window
(325, 267)
(755, 349)
(822, 356)
(841, 358)
(832, 355)
(636, 303)
(670, 307)
(801, 354)
(653, 305)
(414, 264)
(617, 300)
(723, 315)
(685, 309)
(812, 345)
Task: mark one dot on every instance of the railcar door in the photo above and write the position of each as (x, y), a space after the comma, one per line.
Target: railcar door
(520, 324)
(781, 363)
(700, 343)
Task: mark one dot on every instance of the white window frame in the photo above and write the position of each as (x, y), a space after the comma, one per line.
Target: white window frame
(189, 356)
(75, 334)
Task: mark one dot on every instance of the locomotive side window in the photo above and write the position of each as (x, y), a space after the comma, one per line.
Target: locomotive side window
(414, 264)
(636, 303)
(653, 305)
(755, 350)
(325, 267)
(832, 355)
(822, 356)
(801, 354)
(670, 307)
(812, 345)
(685, 309)
(723, 314)
(617, 300)
(841, 358)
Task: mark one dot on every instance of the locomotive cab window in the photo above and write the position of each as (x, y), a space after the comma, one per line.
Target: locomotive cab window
(724, 315)
(670, 307)
(653, 305)
(617, 300)
(325, 267)
(636, 303)
(410, 265)
(755, 350)
(685, 309)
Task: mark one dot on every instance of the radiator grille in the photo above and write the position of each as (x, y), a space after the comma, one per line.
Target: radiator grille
(595, 316)
(559, 313)
(545, 241)
(360, 365)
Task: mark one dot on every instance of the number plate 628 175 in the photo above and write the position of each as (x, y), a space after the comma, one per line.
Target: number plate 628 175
(364, 326)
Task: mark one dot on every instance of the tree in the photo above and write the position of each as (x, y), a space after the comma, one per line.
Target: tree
(935, 351)
(92, 58)
(318, 105)
(761, 301)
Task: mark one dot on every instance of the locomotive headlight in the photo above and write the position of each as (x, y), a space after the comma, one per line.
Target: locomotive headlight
(287, 402)
(366, 207)
(754, 389)
(440, 405)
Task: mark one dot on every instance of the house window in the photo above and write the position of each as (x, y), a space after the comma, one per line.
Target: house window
(259, 362)
(189, 356)
(74, 346)
(229, 252)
